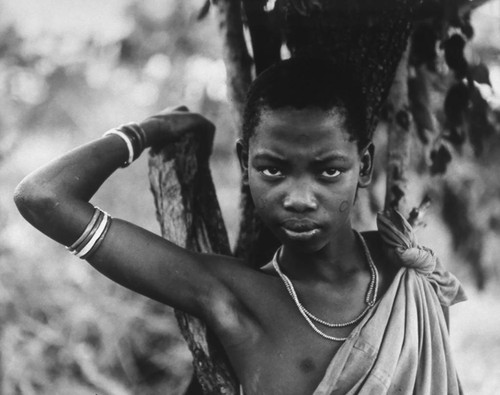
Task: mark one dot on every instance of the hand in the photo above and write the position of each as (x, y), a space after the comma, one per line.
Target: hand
(171, 124)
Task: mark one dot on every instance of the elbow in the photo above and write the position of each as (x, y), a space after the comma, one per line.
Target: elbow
(34, 201)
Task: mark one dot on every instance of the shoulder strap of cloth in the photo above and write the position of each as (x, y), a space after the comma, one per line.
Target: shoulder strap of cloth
(403, 249)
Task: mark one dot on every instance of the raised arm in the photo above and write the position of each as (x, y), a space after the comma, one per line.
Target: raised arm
(55, 199)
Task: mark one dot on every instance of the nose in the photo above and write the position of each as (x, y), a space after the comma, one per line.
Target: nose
(300, 198)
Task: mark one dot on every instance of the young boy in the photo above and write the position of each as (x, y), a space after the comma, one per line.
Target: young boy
(334, 312)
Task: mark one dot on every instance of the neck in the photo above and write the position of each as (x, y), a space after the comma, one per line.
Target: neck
(336, 261)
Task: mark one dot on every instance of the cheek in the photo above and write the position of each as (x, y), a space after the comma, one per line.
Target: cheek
(264, 199)
(344, 206)
(257, 193)
(260, 203)
(263, 209)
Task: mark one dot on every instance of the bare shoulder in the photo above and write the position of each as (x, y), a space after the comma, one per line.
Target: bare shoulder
(386, 269)
(243, 288)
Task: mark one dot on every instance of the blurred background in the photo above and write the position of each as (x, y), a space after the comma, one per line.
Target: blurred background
(72, 69)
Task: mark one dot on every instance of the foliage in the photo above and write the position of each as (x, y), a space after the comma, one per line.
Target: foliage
(54, 334)
(65, 328)
(456, 114)
(468, 118)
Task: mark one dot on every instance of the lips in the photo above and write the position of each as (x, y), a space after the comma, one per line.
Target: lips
(300, 229)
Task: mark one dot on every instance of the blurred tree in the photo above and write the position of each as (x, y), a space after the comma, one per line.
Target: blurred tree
(60, 86)
(436, 108)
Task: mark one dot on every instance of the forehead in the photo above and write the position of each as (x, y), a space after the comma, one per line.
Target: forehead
(305, 130)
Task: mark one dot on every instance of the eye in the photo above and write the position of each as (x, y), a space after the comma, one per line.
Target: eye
(272, 172)
(331, 173)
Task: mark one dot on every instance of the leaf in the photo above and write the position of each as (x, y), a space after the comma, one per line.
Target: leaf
(456, 136)
(480, 73)
(128, 50)
(454, 55)
(456, 106)
(440, 158)
(418, 95)
(480, 126)
(423, 46)
(466, 27)
(204, 10)
(468, 114)
(416, 215)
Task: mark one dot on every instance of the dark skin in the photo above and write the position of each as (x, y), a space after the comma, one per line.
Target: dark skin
(303, 169)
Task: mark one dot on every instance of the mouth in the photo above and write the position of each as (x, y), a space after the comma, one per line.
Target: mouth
(302, 235)
(300, 230)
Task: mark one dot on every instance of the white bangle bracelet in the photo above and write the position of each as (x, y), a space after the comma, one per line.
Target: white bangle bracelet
(73, 247)
(94, 238)
(127, 141)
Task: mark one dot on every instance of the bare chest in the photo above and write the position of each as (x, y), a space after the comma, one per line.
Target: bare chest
(291, 364)
(278, 352)
(285, 355)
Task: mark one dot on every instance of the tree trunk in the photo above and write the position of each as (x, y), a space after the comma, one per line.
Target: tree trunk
(399, 138)
(189, 215)
(235, 53)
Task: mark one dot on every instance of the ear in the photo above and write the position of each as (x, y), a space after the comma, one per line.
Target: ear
(366, 168)
(242, 152)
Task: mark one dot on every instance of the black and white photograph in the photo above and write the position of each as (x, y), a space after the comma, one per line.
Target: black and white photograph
(249, 197)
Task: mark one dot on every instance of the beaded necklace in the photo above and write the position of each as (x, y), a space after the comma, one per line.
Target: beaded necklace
(370, 299)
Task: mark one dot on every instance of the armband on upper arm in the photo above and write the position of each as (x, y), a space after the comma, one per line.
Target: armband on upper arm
(93, 235)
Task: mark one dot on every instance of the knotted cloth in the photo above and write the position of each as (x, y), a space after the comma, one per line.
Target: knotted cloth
(402, 248)
(402, 345)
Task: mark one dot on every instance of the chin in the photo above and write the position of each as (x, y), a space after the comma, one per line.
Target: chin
(305, 246)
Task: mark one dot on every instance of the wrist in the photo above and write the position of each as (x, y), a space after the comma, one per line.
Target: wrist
(134, 138)
(152, 131)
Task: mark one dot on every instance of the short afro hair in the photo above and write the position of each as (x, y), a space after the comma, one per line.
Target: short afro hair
(303, 82)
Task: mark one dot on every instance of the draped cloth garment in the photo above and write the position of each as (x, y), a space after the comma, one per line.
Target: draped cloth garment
(402, 345)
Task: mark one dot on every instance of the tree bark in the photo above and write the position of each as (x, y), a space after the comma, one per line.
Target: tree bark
(235, 53)
(189, 215)
(399, 138)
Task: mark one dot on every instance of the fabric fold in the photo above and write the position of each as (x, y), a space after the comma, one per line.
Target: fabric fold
(402, 345)
(402, 248)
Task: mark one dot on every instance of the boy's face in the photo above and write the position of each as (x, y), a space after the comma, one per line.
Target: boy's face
(303, 173)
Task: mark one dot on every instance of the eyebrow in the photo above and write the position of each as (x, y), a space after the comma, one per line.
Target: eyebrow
(332, 157)
(267, 155)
